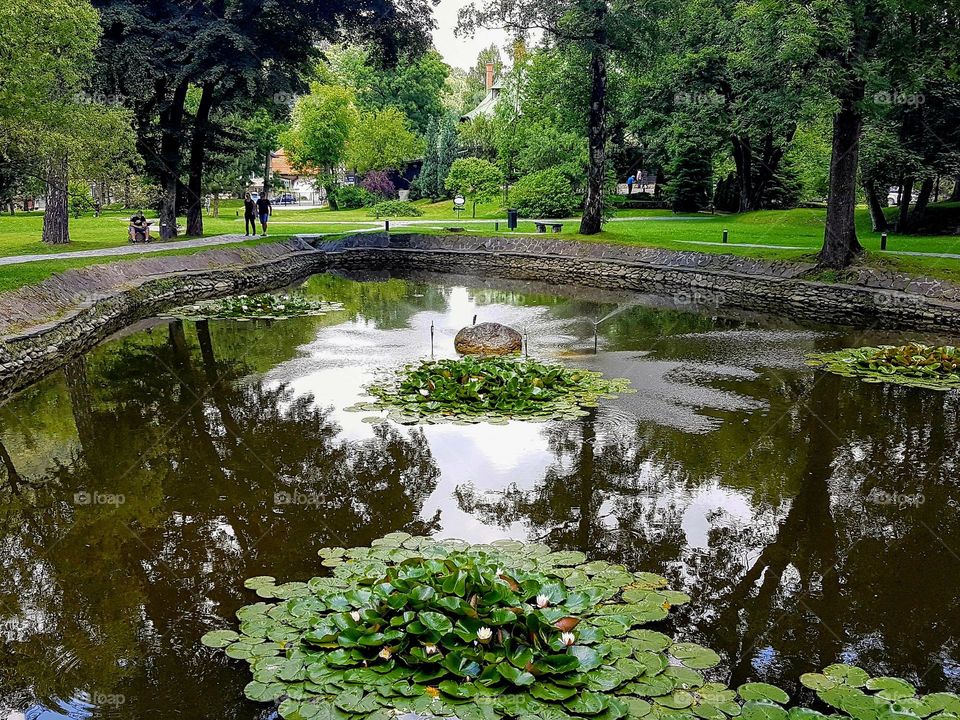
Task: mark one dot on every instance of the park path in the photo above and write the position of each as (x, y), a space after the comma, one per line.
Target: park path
(369, 226)
(949, 256)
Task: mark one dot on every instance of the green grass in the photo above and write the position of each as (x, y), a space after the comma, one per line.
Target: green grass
(799, 231)
(17, 276)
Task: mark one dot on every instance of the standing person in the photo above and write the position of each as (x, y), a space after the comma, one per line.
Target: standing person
(249, 215)
(630, 181)
(265, 210)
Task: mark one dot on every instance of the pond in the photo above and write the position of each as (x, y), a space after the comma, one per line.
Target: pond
(812, 518)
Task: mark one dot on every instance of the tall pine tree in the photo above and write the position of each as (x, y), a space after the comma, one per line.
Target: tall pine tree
(447, 147)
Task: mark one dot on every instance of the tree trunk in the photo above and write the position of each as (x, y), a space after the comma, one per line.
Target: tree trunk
(198, 149)
(903, 201)
(592, 220)
(840, 243)
(915, 219)
(743, 159)
(955, 193)
(171, 139)
(266, 174)
(877, 217)
(216, 204)
(56, 228)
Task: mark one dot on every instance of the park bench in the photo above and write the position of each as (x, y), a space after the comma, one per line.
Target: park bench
(542, 226)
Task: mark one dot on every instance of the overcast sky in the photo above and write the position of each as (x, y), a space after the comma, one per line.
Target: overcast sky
(460, 51)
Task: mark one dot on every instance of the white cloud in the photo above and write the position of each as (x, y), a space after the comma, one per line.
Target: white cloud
(461, 51)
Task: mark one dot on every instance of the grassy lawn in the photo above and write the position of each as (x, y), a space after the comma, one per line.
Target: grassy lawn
(799, 232)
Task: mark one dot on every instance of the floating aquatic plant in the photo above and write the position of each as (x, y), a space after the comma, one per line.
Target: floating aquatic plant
(256, 307)
(508, 630)
(914, 364)
(493, 389)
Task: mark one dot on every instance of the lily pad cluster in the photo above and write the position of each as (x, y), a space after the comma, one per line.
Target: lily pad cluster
(490, 389)
(506, 630)
(850, 691)
(256, 307)
(913, 364)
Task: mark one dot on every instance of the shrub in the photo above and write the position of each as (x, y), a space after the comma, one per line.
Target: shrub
(378, 182)
(547, 193)
(395, 208)
(351, 197)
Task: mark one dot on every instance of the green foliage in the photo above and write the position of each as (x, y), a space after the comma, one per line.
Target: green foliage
(320, 125)
(257, 307)
(412, 86)
(478, 180)
(546, 194)
(395, 208)
(447, 145)
(476, 389)
(351, 197)
(80, 198)
(427, 183)
(688, 178)
(916, 365)
(382, 140)
(506, 630)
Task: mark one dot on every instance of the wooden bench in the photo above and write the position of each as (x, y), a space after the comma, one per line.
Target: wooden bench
(542, 226)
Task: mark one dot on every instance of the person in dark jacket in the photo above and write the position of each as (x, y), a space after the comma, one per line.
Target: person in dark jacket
(264, 210)
(249, 216)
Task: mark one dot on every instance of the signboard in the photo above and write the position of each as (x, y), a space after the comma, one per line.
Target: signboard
(459, 201)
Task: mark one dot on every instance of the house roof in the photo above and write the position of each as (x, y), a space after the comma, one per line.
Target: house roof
(487, 106)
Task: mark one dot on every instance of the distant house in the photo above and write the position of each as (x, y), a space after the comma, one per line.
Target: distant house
(487, 106)
(301, 183)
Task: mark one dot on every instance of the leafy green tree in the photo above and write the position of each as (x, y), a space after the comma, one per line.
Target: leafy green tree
(478, 180)
(447, 147)
(689, 174)
(596, 29)
(382, 140)
(413, 85)
(320, 125)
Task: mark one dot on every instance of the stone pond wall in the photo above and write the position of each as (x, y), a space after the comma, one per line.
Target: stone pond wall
(83, 307)
(90, 304)
(866, 297)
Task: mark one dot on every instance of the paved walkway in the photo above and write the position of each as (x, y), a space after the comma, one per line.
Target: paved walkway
(949, 256)
(137, 249)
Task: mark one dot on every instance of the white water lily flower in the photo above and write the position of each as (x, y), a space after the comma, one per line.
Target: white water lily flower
(499, 572)
(542, 601)
(355, 615)
(424, 392)
(430, 649)
(385, 653)
(484, 634)
(568, 638)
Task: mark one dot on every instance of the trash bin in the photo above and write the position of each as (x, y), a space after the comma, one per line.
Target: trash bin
(511, 219)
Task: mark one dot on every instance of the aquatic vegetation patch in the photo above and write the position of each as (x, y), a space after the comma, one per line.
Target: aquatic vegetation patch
(507, 630)
(913, 364)
(490, 389)
(256, 307)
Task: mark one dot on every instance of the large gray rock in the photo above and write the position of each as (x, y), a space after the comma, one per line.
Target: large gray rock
(488, 339)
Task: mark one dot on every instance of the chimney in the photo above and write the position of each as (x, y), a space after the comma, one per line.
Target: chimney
(489, 76)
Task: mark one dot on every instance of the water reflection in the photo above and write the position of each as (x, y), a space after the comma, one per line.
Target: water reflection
(811, 518)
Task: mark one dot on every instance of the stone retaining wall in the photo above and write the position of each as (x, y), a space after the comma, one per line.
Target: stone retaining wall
(91, 304)
(867, 298)
(104, 310)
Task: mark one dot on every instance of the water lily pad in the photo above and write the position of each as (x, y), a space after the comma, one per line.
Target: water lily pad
(891, 688)
(762, 710)
(219, 638)
(763, 692)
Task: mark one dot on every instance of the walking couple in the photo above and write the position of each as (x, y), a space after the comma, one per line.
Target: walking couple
(261, 208)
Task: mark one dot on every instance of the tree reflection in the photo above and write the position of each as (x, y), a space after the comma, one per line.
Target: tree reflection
(187, 475)
(823, 569)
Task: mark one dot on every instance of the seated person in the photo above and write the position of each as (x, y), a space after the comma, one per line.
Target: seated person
(139, 229)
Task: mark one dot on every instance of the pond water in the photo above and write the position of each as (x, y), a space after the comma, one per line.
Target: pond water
(812, 518)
